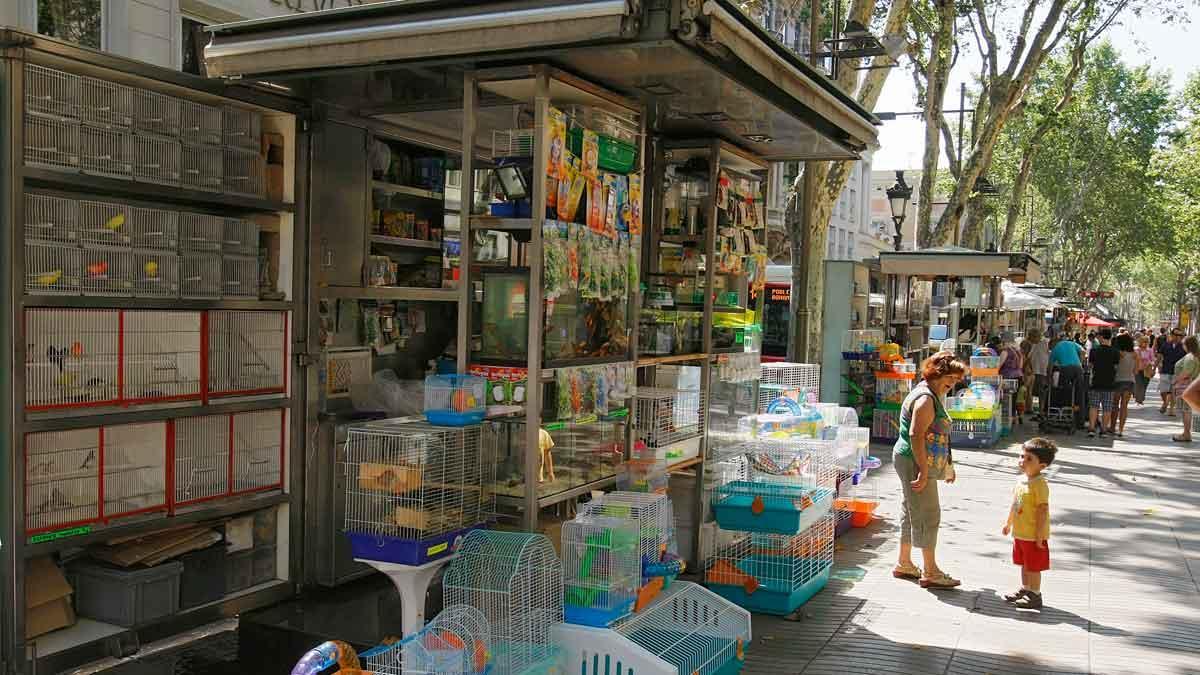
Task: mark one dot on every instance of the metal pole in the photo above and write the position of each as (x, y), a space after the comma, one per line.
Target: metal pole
(466, 200)
(962, 104)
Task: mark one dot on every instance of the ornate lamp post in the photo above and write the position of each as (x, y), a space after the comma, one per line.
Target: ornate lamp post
(898, 196)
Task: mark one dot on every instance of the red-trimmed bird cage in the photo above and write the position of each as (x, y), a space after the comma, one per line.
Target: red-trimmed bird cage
(258, 447)
(161, 356)
(201, 459)
(247, 352)
(135, 469)
(72, 358)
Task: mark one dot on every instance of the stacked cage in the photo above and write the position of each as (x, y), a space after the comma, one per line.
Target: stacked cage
(892, 387)
(670, 421)
(239, 263)
(72, 358)
(412, 489)
(515, 580)
(772, 573)
(799, 382)
(161, 356)
(602, 569)
(655, 521)
(201, 459)
(247, 352)
(861, 345)
(732, 396)
(644, 471)
(258, 446)
(456, 642)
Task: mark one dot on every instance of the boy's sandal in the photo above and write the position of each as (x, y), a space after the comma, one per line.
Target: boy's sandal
(910, 572)
(942, 580)
(1013, 597)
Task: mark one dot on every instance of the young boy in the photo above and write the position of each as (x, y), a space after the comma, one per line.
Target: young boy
(1029, 522)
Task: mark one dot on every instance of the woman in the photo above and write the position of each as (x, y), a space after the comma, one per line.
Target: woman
(1145, 368)
(921, 458)
(1186, 371)
(1126, 369)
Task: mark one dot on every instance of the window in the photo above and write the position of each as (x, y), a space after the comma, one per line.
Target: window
(832, 254)
(192, 41)
(77, 21)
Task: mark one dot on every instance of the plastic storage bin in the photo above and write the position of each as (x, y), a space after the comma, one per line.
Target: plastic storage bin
(454, 400)
(203, 578)
(126, 597)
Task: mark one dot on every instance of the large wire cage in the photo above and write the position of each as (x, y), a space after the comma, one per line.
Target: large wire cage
(62, 479)
(200, 124)
(72, 357)
(602, 568)
(105, 104)
(51, 143)
(49, 91)
(775, 486)
(106, 152)
(412, 489)
(670, 420)
(733, 395)
(516, 580)
(782, 379)
(200, 275)
(135, 469)
(51, 218)
(156, 229)
(247, 352)
(161, 356)
(52, 268)
(105, 223)
(156, 113)
(653, 513)
(201, 458)
(157, 160)
(771, 573)
(258, 448)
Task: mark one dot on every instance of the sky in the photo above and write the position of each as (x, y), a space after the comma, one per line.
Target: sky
(1139, 40)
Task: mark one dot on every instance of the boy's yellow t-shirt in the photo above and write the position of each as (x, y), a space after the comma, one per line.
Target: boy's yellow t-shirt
(1029, 493)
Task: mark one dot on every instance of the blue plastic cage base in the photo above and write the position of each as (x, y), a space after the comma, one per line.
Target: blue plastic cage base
(773, 596)
(451, 418)
(547, 657)
(406, 551)
(592, 616)
(780, 514)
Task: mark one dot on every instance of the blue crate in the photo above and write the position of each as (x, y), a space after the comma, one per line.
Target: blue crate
(773, 596)
(591, 616)
(406, 551)
(782, 510)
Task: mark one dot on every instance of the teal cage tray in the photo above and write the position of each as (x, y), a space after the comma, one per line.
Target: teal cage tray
(773, 596)
(770, 508)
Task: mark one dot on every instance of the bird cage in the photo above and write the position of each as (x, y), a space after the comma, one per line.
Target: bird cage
(243, 172)
(885, 425)
(157, 160)
(513, 143)
(105, 223)
(853, 444)
(203, 168)
(52, 269)
(800, 382)
(201, 458)
(858, 497)
(258, 447)
(247, 352)
(155, 274)
(154, 229)
(201, 232)
(51, 143)
(200, 124)
(891, 388)
(106, 152)
(200, 276)
(239, 276)
(135, 469)
(861, 344)
(161, 356)
(516, 580)
(156, 113)
(62, 479)
(51, 218)
(644, 472)
(107, 271)
(653, 513)
(602, 569)
(671, 421)
(688, 631)
(240, 237)
(456, 642)
(241, 128)
(72, 357)
(412, 489)
(776, 486)
(105, 104)
(49, 91)
(772, 573)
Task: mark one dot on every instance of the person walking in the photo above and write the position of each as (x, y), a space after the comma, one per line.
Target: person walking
(1186, 370)
(1067, 356)
(921, 458)
(1039, 363)
(1146, 368)
(1103, 359)
(1169, 352)
(1012, 367)
(1126, 372)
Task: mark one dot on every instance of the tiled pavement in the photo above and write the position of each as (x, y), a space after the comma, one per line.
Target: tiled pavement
(1122, 595)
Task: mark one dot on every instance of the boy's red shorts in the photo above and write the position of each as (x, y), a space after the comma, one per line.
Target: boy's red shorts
(1027, 554)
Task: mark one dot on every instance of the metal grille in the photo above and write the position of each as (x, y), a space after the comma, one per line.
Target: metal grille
(664, 417)
(772, 564)
(62, 479)
(201, 458)
(242, 128)
(239, 276)
(513, 143)
(51, 143)
(107, 271)
(157, 160)
(155, 274)
(105, 223)
(602, 568)
(135, 469)
(691, 628)
(202, 167)
(106, 152)
(784, 379)
(516, 580)
(161, 356)
(653, 513)
(258, 450)
(201, 124)
(51, 218)
(728, 404)
(200, 276)
(412, 481)
(456, 642)
(240, 237)
(154, 229)
(51, 92)
(806, 462)
(247, 352)
(200, 232)
(243, 172)
(156, 113)
(72, 357)
(52, 269)
(106, 104)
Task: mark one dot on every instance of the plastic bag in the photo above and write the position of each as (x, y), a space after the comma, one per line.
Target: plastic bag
(390, 394)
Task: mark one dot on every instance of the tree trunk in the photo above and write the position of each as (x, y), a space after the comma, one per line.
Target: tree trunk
(935, 93)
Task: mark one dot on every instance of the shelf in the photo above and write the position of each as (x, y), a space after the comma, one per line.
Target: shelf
(697, 239)
(699, 307)
(90, 417)
(389, 293)
(502, 224)
(551, 500)
(405, 243)
(684, 464)
(94, 302)
(111, 187)
(677, 358)
(548, 366)
(392, 188)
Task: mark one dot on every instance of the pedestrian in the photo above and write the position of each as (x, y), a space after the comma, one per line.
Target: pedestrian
(921, 458)
(1029, 522)
(1039, 362)
(1126, 372)
(1103, 359)
(1067, 356)
(1185, 371)
(1012, 366)
(1146, 368)
(1169, 352)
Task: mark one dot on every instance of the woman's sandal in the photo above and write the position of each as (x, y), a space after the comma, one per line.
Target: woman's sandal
(942, 580)
(1181, 439)
(910, 572)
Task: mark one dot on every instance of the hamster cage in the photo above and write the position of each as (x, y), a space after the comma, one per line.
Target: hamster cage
(671, 421)
(456, 642)
(654, 515)
(785, 379)
(602, 569)
(778, 486)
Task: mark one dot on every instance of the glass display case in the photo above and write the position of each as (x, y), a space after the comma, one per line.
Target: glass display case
(581, 454)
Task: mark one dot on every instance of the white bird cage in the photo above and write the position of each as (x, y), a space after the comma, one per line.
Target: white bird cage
(107, 271)
(106, 152)
(513, 143)
(239, 276)
(516, 580)
(155, 274)
(243, 172)
(240, 237)
(156, 113)
(154, 229)
(653, 513)
(775, 486)
(771, 573)
(247, 352)
(784, 379)
(51, 218)
(157, 160)
(72, 357)
(161, 357)
(201, 458)
(49, 91)
(689, 630)
(135, 469)
(258, 446)
(105, 104)
(51, 143)
(105, 223)
(241, 128)
(671, 421)
(602, 568)
(62, 479)
(203, 168)
(200, 124)
(200, 276)
(201, 232)
(52, 268)
(412, 489)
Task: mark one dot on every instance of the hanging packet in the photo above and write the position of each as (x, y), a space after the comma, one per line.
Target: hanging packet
(572, 256)
(635, 204)
(591, 155)
(557, 143)
(610, 205)
(596, 204)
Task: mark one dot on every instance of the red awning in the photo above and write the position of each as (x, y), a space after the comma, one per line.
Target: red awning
(1097, 322)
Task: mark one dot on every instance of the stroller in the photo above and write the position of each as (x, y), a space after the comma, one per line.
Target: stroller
(1060, 412)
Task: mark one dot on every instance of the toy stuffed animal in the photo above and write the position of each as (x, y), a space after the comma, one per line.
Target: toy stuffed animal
(545, 443)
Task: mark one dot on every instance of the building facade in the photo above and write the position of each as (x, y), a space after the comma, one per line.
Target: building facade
(849, 232)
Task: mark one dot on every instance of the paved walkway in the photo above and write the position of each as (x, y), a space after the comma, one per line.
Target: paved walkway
(1122, 595)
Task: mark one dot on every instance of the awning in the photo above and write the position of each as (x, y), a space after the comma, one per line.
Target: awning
(960, 263)
(1020, 299)
(1097, 322)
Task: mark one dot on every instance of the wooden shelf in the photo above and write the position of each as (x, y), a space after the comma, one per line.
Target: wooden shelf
(163, 194)
(389, 293)
(404, 242)
(677, 358)
(392, 188)
(684, 464)
(502, 224)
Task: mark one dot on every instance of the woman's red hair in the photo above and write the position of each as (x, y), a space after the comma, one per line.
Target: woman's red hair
(942, 364)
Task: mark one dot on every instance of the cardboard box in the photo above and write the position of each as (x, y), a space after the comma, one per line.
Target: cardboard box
(274, 177)
(47, 598)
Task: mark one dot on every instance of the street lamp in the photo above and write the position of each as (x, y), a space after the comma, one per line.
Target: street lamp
(898, 196)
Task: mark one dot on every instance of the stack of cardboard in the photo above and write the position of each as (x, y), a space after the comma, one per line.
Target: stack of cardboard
(157, 548)
(47, 598)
